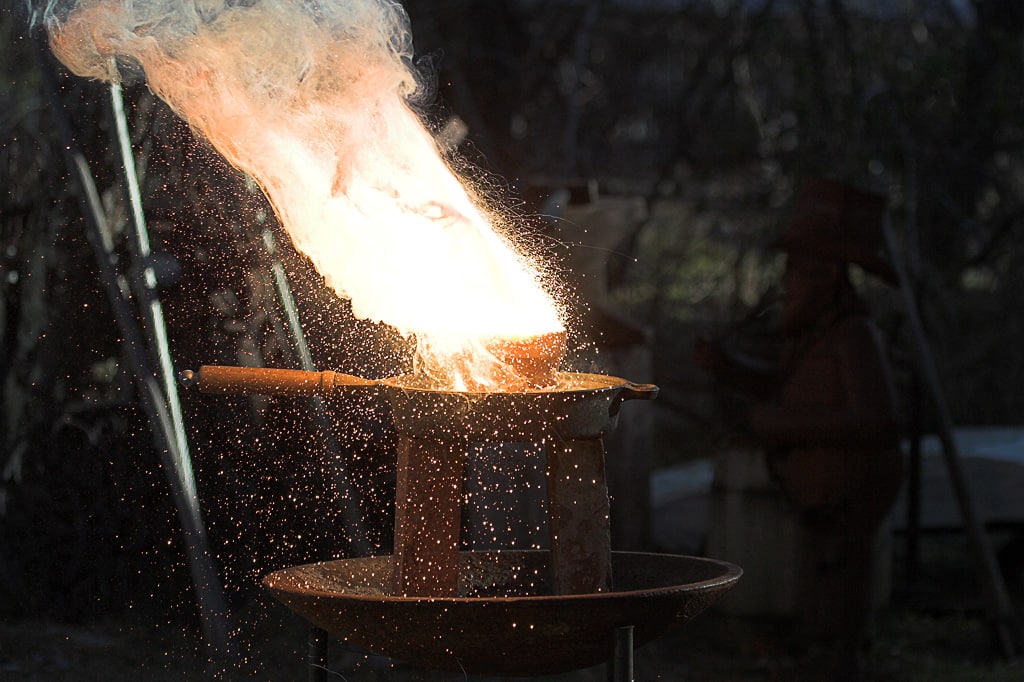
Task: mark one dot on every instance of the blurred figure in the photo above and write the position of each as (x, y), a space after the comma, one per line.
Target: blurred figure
(826, 413)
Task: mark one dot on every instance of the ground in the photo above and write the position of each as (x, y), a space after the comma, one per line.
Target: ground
(936, 631)
(912, 646)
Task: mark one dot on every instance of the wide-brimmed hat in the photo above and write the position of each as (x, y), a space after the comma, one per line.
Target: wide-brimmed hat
(834, 221)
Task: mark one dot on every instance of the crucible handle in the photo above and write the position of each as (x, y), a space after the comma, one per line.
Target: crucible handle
(226, 380)
(632, 391)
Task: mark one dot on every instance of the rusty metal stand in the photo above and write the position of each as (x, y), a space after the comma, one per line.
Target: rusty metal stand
(428, 508)
(579, 517)
(428, 501)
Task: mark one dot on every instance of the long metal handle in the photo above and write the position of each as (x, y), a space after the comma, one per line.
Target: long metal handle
(226, 380)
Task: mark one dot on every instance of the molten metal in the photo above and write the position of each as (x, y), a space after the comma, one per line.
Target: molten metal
(536, 358)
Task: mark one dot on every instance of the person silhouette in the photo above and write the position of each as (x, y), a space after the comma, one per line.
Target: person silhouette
(827, 418)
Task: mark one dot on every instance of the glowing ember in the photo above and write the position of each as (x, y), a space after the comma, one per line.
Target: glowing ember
(311, 99)
(499, 363)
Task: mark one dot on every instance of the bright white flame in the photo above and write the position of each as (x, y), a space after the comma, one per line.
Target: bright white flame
(310, 99)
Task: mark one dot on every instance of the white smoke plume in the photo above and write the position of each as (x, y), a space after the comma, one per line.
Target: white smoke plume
(309, 97)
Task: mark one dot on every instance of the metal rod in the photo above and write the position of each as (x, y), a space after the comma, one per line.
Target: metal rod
(291, 310)
(317, 656)
(999, 604)
(621, 669)
(210, 600)
(208, 588)
(227, 380)
(152, 308)
(355, 528)
(913, 518)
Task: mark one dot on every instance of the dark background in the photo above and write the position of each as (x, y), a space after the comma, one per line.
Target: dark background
(708, 111)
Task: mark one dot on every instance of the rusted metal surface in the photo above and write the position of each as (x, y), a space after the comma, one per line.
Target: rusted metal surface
(579, 406)
(436, 426)
(428, 511)
(579, 517)
(504, 621)
(428, 503)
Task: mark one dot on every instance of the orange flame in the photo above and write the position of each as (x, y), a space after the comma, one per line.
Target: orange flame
(310, 100)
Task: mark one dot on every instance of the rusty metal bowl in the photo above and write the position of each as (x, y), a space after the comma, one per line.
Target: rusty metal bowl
(504, 621)
(579, 406)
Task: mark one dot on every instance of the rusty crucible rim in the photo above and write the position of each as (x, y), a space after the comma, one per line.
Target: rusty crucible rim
(580, 406)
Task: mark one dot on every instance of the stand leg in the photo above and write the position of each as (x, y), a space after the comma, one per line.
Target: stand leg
(621, 669)
(317, 656)
(578, 507)
(428, 506)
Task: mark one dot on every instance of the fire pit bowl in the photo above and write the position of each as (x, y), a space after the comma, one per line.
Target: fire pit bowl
(504, 621)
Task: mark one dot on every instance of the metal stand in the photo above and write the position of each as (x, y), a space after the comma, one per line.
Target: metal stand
(145, 351)
(999, 605)
(579, 517)
(428, 506)
(621, 667)
(430, 476)
(317, 656)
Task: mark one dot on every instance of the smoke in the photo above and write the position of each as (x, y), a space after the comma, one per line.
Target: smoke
(311, 98)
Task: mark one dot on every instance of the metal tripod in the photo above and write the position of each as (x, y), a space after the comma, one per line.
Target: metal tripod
(999, 605)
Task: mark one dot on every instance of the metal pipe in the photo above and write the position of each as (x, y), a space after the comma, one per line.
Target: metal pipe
(621, 668)
(152, 308)
(316, 658)
(227, 380)
(999, 604)
(209, 592)
(284, 294)
(206, 583)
